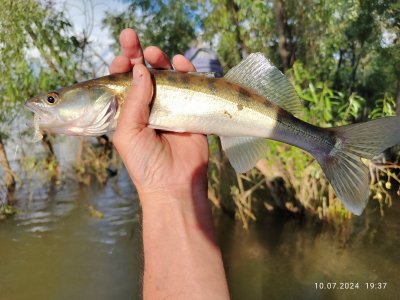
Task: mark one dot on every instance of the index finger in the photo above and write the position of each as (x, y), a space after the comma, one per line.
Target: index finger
(130, 45)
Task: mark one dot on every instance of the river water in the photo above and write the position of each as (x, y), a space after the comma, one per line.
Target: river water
(57, 248)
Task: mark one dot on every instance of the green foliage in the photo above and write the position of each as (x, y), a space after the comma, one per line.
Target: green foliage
(384, 107)
(93, 162)
(169, 25)
(7, 211)
(324, 106)
(350, 46)
(38, 54)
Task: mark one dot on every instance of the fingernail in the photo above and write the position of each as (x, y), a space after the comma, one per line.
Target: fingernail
(137, 74)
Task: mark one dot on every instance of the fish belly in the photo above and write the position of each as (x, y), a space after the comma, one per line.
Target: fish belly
(180, 110)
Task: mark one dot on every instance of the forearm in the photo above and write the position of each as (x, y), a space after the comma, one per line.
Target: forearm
(182, 258)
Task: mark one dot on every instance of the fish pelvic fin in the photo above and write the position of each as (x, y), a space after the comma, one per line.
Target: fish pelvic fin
(243, 152)
(343, 166)
(257, 73)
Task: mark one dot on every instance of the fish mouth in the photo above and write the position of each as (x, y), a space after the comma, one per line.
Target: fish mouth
(30, 105)
(41, 117)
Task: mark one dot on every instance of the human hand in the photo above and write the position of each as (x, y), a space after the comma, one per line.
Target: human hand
(158, 162)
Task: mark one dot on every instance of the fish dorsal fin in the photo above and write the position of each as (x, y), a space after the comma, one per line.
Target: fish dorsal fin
(259, 74)
(243, 152)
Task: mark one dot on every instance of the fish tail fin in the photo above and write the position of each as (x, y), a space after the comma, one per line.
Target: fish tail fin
(343, 167)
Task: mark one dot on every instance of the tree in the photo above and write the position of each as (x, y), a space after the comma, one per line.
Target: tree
(38, 53)
(227, 29)
(346, 44)
(171, 25)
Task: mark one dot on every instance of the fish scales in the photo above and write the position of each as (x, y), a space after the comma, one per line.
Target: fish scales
(186, 103)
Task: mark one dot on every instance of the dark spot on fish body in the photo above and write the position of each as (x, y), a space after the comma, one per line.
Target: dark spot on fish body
(227, 114)
(244, 94)
(271, 104)
(240, 107)
(212, 86)
(184, 80)
(280, 112)
(170, 77)
(202, 79)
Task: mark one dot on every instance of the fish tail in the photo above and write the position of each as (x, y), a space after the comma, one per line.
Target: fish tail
(343, 167)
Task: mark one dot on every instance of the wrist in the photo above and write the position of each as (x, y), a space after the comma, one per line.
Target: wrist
(182, 196)
(177, 214)
(176, 191)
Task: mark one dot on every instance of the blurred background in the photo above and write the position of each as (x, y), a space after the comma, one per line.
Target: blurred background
(70, 221)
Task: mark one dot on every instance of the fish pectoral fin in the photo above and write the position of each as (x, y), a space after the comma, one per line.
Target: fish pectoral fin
(243, 152)
(259, 74)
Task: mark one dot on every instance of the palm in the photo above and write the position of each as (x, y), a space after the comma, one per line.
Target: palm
(188, 153)
(169, 158)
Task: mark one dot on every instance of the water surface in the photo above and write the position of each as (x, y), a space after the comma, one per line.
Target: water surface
(284, 259)
(56, 248)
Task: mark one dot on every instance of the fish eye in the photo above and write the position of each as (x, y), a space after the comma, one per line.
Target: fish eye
(52, 97)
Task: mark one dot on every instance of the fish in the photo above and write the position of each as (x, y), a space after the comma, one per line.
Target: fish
(253, 102)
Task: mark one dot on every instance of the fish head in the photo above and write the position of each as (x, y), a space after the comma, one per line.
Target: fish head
(76, 110)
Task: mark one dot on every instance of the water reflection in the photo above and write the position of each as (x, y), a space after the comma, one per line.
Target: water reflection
(54, 249)
(283, 259)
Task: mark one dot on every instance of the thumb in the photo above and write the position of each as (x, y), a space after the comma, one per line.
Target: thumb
(136, 107)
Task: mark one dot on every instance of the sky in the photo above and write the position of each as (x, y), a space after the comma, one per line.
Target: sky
(88, 15)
